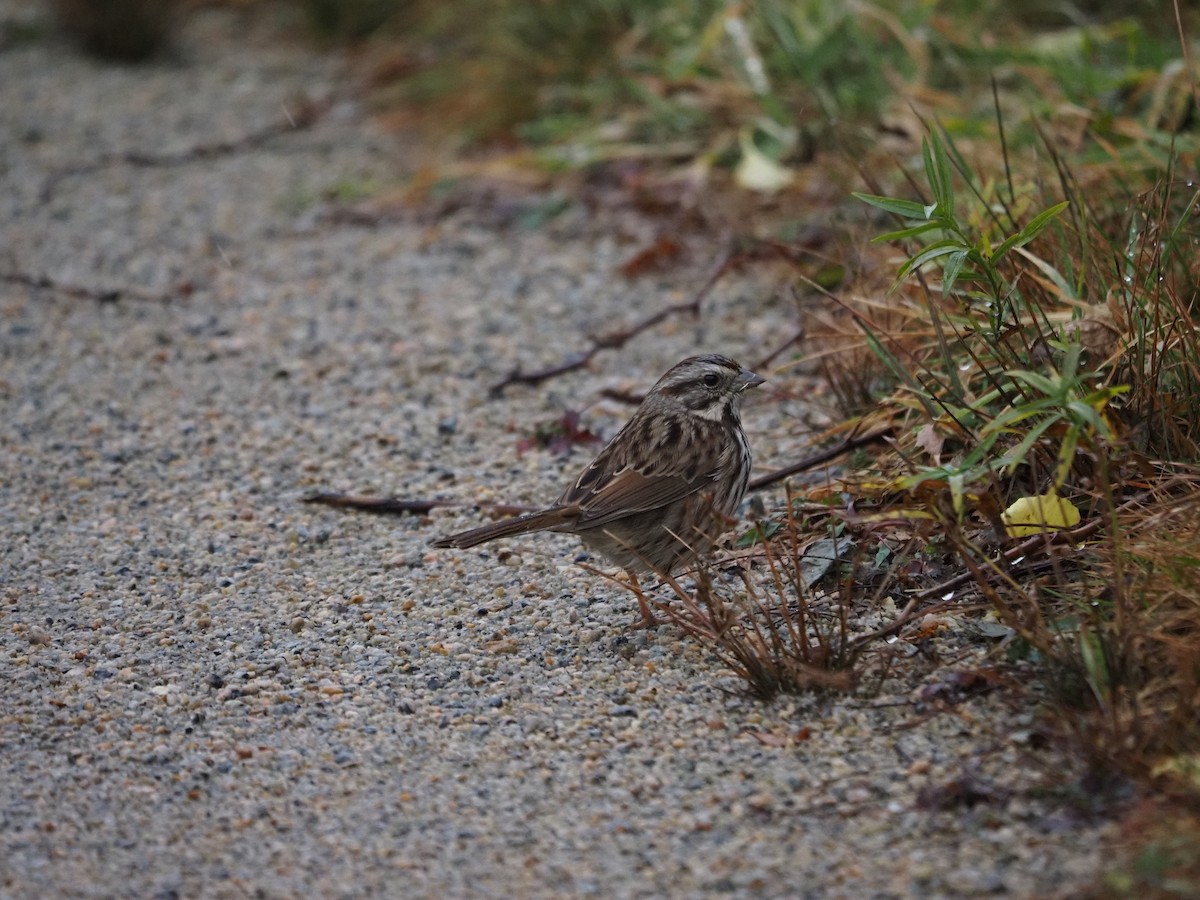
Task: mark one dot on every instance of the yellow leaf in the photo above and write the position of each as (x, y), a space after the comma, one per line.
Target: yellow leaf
(1043, 512)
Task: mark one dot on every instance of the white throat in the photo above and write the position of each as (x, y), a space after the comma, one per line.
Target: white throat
(716, 412)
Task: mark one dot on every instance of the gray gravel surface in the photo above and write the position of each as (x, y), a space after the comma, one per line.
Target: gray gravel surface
(211, 689)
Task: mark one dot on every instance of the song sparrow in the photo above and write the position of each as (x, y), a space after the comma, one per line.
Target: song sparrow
(653, 497)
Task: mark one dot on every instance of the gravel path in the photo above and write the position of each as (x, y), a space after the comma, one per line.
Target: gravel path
(211, 689)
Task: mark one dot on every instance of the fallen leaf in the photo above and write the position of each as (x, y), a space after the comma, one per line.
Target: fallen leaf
(931, 441)
(1042, 512)
(758, 172)
(558, 436)
(656, 258)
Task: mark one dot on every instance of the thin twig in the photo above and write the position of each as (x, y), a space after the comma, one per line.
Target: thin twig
(403, 505)
(1184, 47)
(614, 340)
(97, 294)
(795, 338)
(303, 114)
(816, 459)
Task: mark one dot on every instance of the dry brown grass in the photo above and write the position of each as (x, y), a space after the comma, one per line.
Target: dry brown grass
(769, 626)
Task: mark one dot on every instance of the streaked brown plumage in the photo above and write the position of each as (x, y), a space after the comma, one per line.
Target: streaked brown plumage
(651, 499)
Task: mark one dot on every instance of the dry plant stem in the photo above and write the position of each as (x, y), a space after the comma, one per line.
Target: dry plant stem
(711, 622)
(303, 113)
(614, 340)
(798, 628)
(983, 582)
(402, 505)
(1185, 49)
(906, 616)
(382, 505)
(770, 638)
(99, 295)
(696, 621)
(913, 608)
(819, 458)
(766, 361)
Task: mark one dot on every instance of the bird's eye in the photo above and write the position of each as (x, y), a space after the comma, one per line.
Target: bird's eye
(712, 379)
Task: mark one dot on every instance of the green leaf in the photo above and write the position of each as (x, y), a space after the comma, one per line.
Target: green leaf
(889, 359)
(933, 251)
(760, 533)
(951, 271)
(1066, 456)
(1017, 454)
(1091, 653)
(955, 482)
(900, 372)
(938, 172)
(904, 233)
(1084, 412)
(1037, 381)
(1009, 419)
(1035, 227)
(1095, 402)
(1064, 287)
(906, 208)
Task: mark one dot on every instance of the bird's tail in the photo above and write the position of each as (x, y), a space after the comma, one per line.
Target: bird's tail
(543, 520)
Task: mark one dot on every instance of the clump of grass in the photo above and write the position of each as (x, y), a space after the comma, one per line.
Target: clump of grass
(771, 626)
(603, 79)
(660, 82)
(1132, 670)
(1112, 626)
(494, 70)
(1056, 358)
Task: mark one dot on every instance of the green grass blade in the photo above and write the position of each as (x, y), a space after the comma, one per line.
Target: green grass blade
(1029, 232)
(909, 209)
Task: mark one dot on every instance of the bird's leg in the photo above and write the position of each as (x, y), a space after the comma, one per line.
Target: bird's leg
(648, 620)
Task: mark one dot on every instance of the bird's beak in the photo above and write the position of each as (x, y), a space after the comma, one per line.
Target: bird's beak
(746, 380)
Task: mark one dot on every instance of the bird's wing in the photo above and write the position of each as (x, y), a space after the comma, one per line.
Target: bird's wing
(632, 490)
(629, 493)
